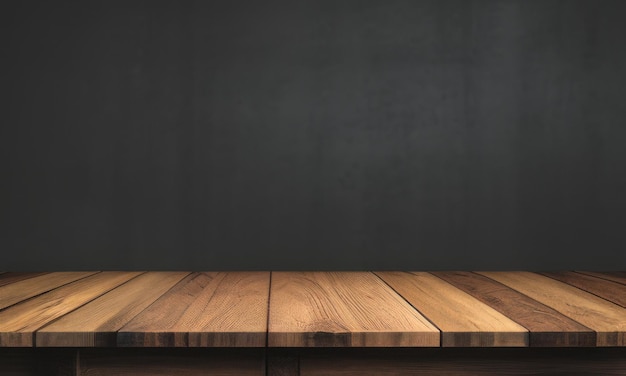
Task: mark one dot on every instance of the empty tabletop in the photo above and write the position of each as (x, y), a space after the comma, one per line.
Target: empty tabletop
(300, 309)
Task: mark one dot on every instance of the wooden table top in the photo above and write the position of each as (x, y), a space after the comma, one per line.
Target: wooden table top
(312, 309)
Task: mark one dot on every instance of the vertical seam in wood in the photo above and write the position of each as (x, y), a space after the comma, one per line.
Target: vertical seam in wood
(582, 289)
(528, 331)
(597, 276)
(47, 291)
(267, 325)
(150, 305)
(80, 306)
(545, 305)
(415, 308)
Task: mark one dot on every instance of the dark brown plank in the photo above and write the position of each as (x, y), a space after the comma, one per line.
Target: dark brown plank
(212, 309)
(464, 321)
(97, 322)
(20, 321)
(27, 288)
(606, 318)
(619, 277)
(547, 326)
(609, 290)
(7, 278)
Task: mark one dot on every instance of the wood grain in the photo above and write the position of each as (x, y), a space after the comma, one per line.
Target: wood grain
(97, 322)
(216, 309)
(609, 290)
(619, 277)
(18, 291)
(329, 309)
(19, 322)
(606, 318)
(547, 327)
(11, 277)
(312, 309)
(462, 319)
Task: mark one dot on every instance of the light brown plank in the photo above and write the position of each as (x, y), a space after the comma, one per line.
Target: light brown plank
(547, 327)
(211, 309)
(462, 319)
(18, 322)
(342, 309)
(22, 290)
(609, 290)
(606, 318)
(12, 277)
(97, 322)
(619, 277)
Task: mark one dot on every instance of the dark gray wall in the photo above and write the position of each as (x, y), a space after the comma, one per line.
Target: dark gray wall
(313, 135)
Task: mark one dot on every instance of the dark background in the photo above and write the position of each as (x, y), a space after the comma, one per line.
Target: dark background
(313, 135)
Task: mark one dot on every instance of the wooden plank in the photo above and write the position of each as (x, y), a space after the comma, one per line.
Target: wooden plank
(12, 277)
(619, 277)
(463, 320)
(606, 318)
(97, 322)
(27, 288)
(547, 326)
(609, 290)
(170, 362)
(19, 322)
(211, 309)
(336, 309)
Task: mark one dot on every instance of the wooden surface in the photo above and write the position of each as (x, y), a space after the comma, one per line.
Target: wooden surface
(609, 290)
(15, 292)
(290, 310)
(7, 278)
(342, 309)
(462, 319)
(619, 277)
(97, 322)
(546, 326)
(20, 321)
(606, 318)
(206, 309)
